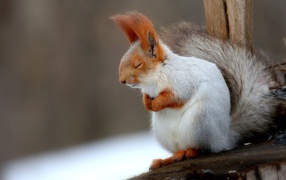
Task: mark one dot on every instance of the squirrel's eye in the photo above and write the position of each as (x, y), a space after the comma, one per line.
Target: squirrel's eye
(137, 66)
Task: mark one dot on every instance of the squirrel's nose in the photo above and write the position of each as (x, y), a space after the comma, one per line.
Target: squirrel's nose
(123, 81)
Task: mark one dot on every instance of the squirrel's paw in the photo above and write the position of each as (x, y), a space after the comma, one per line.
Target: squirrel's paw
(177, 156)
(157, 106)
(147, 102)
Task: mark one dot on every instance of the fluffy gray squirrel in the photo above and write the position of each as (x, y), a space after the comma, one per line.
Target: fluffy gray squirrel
(202, 92)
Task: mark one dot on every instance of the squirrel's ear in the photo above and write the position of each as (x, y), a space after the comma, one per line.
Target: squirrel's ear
(137, 26)
(123, 21)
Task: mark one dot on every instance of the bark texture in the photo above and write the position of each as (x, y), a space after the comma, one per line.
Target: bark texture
(230, 19)
(255, 161)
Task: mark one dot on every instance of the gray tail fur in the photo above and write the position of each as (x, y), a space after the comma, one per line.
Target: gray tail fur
(249, 76)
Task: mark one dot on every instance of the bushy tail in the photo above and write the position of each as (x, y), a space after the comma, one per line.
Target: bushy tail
(249, 76)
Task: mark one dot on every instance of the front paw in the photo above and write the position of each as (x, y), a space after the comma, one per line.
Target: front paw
(147, 102)
(157, 106)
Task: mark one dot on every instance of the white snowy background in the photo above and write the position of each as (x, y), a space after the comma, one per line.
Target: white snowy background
(111, 159)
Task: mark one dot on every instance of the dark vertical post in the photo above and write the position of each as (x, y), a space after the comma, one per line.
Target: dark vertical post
(230, 19)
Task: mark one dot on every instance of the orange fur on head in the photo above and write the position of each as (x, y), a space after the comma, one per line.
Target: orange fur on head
(124, 22)
(137, 26)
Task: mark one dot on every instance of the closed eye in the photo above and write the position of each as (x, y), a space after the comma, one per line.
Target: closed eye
(138, 65)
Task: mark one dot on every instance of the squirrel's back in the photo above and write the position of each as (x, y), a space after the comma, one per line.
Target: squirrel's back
(248, 76)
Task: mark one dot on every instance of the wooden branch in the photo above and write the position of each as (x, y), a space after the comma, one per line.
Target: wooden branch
(230, 19)
(255, 161)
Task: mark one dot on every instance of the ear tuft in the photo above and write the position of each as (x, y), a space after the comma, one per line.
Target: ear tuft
(123, 22)
(136, 26)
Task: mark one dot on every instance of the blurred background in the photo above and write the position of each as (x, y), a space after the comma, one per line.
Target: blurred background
(59, 68)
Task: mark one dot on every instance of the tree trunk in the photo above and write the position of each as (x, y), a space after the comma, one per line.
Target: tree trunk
(230, 19)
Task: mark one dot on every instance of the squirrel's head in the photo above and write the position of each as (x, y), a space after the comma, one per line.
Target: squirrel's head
(145, 52)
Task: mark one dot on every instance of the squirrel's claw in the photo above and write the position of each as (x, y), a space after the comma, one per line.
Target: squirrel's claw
(177, 156)
(157, 163)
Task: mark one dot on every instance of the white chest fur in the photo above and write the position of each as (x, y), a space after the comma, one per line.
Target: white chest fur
(173, 129)
(203, 122)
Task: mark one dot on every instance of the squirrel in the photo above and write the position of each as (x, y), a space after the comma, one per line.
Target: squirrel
(204, 93)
